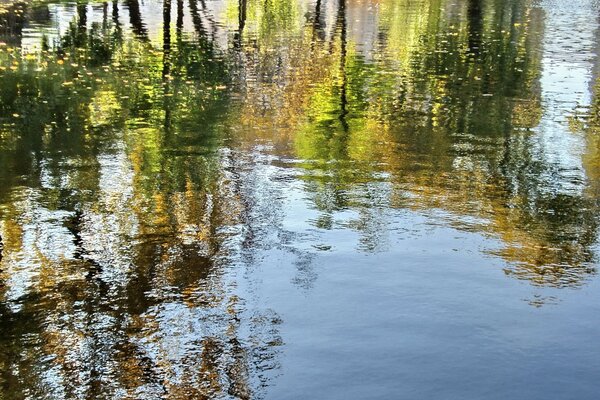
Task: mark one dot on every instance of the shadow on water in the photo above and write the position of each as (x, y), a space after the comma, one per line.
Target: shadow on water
(155, 155)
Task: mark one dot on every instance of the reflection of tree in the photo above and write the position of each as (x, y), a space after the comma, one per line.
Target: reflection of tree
(243, 6)
(136, 21)
(590, 123)
(437, 110)
(490, 164)
(484, 161)
(318, 21)
(126, 154)
(342, 26)
(475, 26)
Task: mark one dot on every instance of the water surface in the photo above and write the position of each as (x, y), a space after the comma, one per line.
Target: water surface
(286, 199)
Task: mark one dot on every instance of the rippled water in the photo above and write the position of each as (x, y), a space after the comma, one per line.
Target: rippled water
(288, 199)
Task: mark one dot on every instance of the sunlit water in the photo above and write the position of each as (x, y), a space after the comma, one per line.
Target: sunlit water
(286, 199)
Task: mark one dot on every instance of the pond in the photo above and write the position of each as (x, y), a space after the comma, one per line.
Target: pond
(287, 199)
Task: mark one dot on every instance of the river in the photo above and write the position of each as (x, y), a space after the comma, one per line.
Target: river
(290, 199)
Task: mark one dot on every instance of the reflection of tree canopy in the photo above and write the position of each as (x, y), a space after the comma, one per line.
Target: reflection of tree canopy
(118, 141)
(445, 106)
(591, 125)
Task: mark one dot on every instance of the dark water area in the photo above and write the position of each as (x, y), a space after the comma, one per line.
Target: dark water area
(289, 199)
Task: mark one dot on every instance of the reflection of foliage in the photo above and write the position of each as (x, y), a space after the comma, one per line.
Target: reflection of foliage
(269, 21)
(591, 127)
(118, 143)
(444, 107)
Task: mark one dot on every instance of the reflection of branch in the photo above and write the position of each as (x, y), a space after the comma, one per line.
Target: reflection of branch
(150, 369)
(318, 23)
(237, 371)
(179, 23)
(341, 24)
(196, 20)
(167, 60)
(80, 35)
(202, 31)
(475, 26)
(104, 16)
(74, 226)
(210, 19)
(135, 18)
(166, 39)
(237, 38)
(242, 15)
(115, 14)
